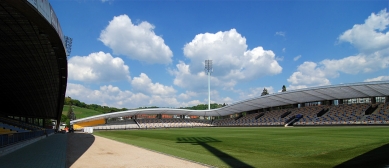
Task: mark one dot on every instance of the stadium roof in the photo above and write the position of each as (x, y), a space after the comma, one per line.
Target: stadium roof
(33, 61)
(314, 94)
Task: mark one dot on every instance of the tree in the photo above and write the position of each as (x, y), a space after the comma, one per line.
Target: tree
(283, 88)
(264, 92)
(70, 115)
(68, 100)
(63, 118)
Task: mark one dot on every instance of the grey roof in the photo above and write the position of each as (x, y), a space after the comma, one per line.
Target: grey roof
(313, 94)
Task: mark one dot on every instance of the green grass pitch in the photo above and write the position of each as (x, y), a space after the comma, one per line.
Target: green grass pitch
(267, 146)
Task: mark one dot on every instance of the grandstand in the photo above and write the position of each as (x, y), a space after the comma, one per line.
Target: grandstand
(346, 104)
(33, 71)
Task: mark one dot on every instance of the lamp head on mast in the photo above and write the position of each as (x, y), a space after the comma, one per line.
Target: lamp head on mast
(208, 66)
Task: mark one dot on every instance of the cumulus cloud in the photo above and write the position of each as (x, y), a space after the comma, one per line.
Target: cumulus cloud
(369, 38)
(109, 95)
(97, 67)
(380, 78)
(138, 42)
(297, 58)
(187, 95)
(309, 73)
(144, 84)
(232, 61)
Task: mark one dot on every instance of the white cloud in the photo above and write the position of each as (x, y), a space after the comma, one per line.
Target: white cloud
(143, 84)
(284, 50)
(97, 67)
(281, 33)
(294, 87)
(113, 96)
(106, 95)
(309, 73)
(280, 58)
(380, 78)
(370, 36)
(187, 95)
(232, 61)
(138, 42)
(357, 64)
(297, 58)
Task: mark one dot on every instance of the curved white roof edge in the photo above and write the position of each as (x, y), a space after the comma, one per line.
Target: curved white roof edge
(313, 94)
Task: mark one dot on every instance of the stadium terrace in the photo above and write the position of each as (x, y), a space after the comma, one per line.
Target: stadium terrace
(357, 103)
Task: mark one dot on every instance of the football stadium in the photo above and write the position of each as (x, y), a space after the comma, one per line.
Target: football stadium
(345, 125)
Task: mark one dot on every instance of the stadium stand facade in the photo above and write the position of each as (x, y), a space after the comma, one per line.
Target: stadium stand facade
(33, 70)
(346, 104)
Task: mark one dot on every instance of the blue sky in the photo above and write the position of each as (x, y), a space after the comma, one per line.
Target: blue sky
(151, 53)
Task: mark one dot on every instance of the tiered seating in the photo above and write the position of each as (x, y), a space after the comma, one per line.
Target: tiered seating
(247, 120)
(201, 123)
(6, 131)
(273, 117)
(19, 126)
(337, 114)
(309, 114)
(173, 123)
(343, 114)
(123, 124)
(381, 117)
(223, 122)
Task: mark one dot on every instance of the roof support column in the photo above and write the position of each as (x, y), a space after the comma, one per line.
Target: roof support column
(373, 100)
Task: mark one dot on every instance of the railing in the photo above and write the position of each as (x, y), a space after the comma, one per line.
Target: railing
(13, 138)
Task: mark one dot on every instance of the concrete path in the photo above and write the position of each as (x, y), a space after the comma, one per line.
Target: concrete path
(79, 150)
(49, 152)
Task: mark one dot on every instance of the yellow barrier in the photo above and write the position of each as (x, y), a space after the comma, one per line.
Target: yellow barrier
(81, 125)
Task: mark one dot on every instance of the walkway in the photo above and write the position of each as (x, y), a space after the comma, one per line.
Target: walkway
(79, 150)
(46, 153)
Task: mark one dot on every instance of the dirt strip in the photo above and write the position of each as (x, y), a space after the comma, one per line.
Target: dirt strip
(87, 150)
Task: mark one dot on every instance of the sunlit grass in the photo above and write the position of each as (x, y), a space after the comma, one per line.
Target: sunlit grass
(80, 112)
(259, 147)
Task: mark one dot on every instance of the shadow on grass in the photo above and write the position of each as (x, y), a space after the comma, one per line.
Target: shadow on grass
(378, 157)
(226, 158)
(78, 144)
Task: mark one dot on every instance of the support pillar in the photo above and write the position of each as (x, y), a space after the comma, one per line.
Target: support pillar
(373, 100)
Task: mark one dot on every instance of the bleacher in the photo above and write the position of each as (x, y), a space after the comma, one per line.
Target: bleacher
(121, 124)
(172, 123)
(344, 114)
(14, 131)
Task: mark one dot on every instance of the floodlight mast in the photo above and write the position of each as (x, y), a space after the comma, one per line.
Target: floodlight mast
(208, 68)
(68, 45)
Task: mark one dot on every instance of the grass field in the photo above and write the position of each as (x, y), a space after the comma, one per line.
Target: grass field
(80, 112)
(267, 147)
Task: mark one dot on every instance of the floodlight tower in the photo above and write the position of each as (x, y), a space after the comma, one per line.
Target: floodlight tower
(68, 45)
(209, 70)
